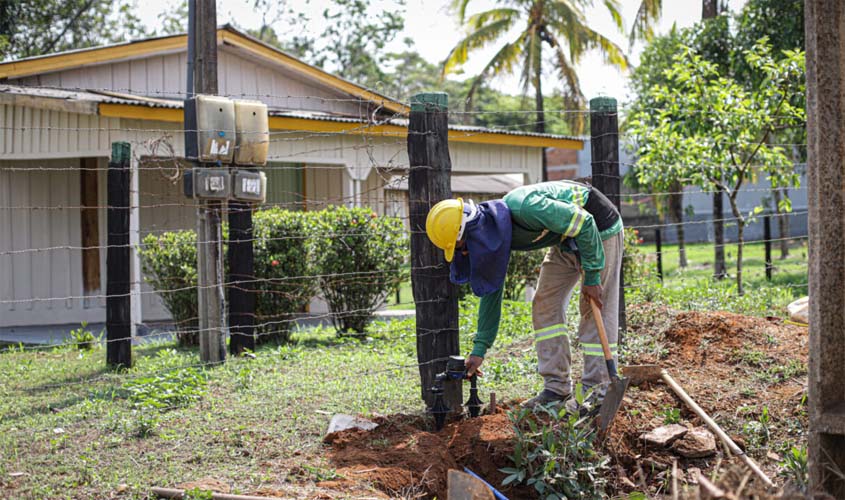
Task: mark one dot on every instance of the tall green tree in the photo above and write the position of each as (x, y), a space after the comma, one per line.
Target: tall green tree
(558, 25)
(755, 21)
(36, 27)
(708, 130)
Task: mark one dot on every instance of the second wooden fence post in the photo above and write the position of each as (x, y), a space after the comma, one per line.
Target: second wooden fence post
(435, 296)
(118, 296)
(604, 142)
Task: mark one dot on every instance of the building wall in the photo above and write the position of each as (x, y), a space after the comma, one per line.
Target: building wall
(338, 169)
(240, 75)
(40, 244)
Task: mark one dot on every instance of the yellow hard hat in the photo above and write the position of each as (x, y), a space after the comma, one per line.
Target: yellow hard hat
(443, 225)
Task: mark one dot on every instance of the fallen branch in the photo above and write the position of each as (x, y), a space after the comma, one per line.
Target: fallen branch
(180, 494)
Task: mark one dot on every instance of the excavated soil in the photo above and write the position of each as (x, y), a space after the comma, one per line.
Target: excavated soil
(734, 366)
(403, 457)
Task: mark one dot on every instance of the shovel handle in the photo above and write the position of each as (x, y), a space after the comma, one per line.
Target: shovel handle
(605, 346)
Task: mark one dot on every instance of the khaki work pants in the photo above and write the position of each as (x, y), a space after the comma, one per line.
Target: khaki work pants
(559, 275)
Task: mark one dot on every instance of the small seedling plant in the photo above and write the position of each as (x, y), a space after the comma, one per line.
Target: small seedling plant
(554, 454)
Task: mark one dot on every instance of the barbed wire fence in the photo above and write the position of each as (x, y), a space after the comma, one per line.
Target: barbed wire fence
(42, 249)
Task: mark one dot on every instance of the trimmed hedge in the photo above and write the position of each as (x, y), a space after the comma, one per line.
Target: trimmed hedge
(352, 255)
(359, 255)
(284, 269)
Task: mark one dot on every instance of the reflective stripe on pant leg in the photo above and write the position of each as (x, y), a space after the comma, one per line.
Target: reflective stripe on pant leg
(595, 369)
(558, 276)
(550, 332)
(596, 350)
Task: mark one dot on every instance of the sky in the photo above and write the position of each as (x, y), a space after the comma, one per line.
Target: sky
(435, 30)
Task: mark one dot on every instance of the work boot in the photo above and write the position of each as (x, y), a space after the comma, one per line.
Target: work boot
(589, 406)
(545, 398)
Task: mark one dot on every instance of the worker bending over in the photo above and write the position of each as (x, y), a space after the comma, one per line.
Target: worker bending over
(583, 232)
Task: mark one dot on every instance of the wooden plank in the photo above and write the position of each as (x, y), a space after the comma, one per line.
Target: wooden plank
(41, 277)
(90, 226)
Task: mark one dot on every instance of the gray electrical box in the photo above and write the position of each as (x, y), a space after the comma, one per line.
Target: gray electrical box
(209, 183)
(249, 186)
(215, 128)
(252, 129)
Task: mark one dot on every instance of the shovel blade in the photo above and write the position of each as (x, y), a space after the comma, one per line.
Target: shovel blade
(611, 403)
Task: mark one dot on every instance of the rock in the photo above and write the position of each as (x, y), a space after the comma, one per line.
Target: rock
(697, 443)
(799, 311)
(692, 475)
(341, 422)
(664, 436)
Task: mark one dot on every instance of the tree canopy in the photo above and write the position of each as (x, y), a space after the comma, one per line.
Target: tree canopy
(35, 27)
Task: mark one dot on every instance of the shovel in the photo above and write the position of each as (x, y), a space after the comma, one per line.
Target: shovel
(616, 390)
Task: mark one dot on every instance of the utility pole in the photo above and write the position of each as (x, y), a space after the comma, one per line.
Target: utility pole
(824, 23)
(202, 79)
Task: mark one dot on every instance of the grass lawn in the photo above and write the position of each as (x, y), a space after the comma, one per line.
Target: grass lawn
(71, 429)
(791, 271)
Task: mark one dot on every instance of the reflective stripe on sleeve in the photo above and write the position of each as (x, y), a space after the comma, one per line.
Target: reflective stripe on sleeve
(576, 223)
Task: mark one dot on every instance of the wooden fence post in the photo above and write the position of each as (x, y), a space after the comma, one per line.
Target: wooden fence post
(767, 242)
(118, 296)
(435, 296)
(604, 143)
(658, 240)
(241, 280)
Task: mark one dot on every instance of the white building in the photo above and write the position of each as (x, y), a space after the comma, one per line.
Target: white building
(332, 141)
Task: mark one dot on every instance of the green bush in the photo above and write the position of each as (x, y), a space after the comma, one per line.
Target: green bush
(169, 261)
(635, 266)
(359, 256)
(284, 270)
(523, 271)
(352, 255)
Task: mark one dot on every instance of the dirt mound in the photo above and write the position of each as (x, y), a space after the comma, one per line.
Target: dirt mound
(403, 456)
(739, 369)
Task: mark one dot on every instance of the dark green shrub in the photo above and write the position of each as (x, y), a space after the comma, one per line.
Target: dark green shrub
(284, 269)
(169, 261)
(635, 266)
(523, 271)
(359, 256)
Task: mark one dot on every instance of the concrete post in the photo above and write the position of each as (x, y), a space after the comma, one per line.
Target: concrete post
(825, 31)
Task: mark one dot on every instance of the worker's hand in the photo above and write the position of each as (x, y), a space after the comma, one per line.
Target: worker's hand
(473, 363)
(593, 292)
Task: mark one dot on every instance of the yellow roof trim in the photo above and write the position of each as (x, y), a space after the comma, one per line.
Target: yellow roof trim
(86, 57)
(129, 111)
(283, 59)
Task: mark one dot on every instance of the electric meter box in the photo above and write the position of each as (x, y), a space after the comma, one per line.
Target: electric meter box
(208, 183)
(249, 186)
(215, 127)
(252, 133)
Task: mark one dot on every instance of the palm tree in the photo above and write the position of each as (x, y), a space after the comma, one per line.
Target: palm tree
(559, 24)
